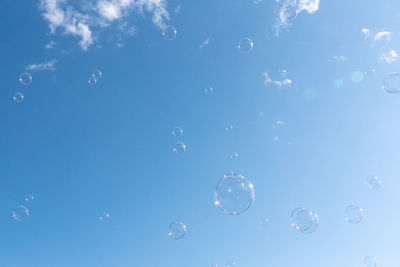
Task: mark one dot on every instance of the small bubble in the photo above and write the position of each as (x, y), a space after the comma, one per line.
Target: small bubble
(97, 74)
(245, 45)
(391, 83)
(234, 155)
(370, 261)
(177, 132)
(179, 147)
(209, 90)
(20, 213)
(25, 78)
(29, 198)
(177, 230)
(169, 32)
(18, 97)
(373, 182)
(229, 128)
(92, 80)
(264, 221)
(104, 217)
(354, 214)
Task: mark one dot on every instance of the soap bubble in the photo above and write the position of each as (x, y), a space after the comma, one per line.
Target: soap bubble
(104, 217)
(354, 214)
(18, 97)
(97, 74)
(177, 230)
(304, 220)
(92, 80)
(177, 132)
(234, 194)
(373, 182)
(391, 83)
(25, 78)
(245, 45)
(370, 71)
(370, 261)
(231, 263)
(20, 213)
(179, 147)
(357, 76)
(29, 198)
(209, 90)
(229, 128)
(169, 32)
(264, 221)
(234, 155)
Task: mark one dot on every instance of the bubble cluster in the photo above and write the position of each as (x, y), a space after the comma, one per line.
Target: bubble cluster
(304, 221)
(245, 45)
(179, 147)
(373, 182)
(177, 230)
(370, 261)
(177, 132)
(20, 213)
(169, 32)
(354, 214)
(18, 97)
(96, 75)
(234, 194)
(25, 78)
(391, 83)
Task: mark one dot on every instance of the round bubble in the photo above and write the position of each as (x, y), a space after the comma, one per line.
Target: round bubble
(234, 155)
(25, 78)
(264, 221)
(285, 3)
(209, 90)
(391, 83)
(177, 230)
(373, 182)
(169, 32)
(370, 71)
(354, 214)
(357, 76)
(177, 132)
(29, 198)
(234, 194)
(304, 220)
(18, 97)
(20, 213)
(370, 261)
(245, 45)
(92, 80)
(229, 128)
(179, 147)
(97, 74)
(104, 217)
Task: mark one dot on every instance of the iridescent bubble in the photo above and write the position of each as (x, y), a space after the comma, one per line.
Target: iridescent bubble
(234, 194)
(18, 97)
(391, 83)
(97, 74)
(177, 230)
(209, 90)
(370, 261)
(25, 78)
(92, 80)
(177, 132)
(245, 45)
(357, 76)
(104, 217)
(179, 147)
(169, 32)
(304, 220)
(285, 3)
(354, 214)
(234, 155)
(20, 213)
(373, 182)
(29, 198)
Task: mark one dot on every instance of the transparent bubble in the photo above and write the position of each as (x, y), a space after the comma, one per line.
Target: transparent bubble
(370, 71)
(354, 214)
(177, 132)
(357, 76)
(264, 221)
(245, 45)
(104, 217)
(177, 230)
(97, 74)
(20, 213)
(29, 198)
(179, 147)
(391, 83)
(234, 194)
(209, 90)
(92, 80)
(370, 261)
(373, 182)
(18, 97)
(231, 263)
(286, 3)
(169, 32)
(276, 138)
(25, 78)
(304, 220)
(229, 128)
(234, 155)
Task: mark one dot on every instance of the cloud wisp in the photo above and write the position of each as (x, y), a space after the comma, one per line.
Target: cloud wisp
(285, 81)
(47, 65)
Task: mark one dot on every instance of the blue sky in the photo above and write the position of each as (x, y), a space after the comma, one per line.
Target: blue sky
(82, 150)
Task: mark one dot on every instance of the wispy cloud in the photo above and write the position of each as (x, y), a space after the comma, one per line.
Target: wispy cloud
(50, 45)
(379, 36)
(47, 65)
(283, 82)
(84, 19)
(339, 58)
(389, 57)
(205, 43)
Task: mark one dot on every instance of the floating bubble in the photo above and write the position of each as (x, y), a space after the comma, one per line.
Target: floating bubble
(276, 138)
(209, 90)
(179, 147)
(177, 230)
(370, 261)
(370, 71)
(391, 83)
(234, 155)
(229, 128)
(234, 194)
(357, 76)
(231, 263)
(97, 74)
(25, 78)
(354, 214)
(104, 217)
(286, 3)
(18, 97)
(20, 213)
(245, 45)
(169, 32)
(264, 221)
(29, 198)
(177, 132)
(92, 80)
(304, 220)
(373, 182)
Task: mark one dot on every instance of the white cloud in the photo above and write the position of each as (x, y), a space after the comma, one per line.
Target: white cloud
(205, 42)
(284, 82)
(366, 32)
(82, 20)
(47, 65)
(50, 45)
(387, 36)
(379, 36)
(389, 57)
(311, 6)
(340, 58)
